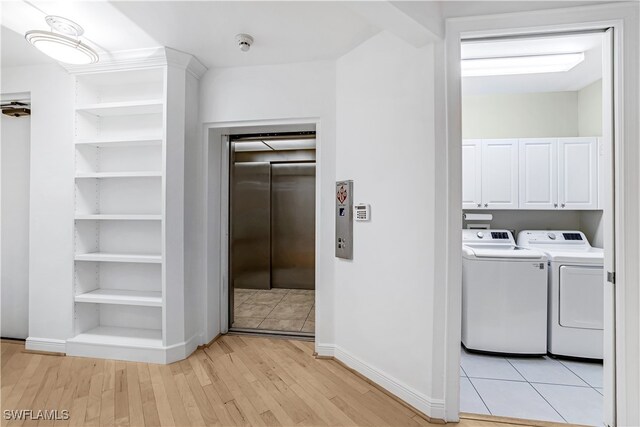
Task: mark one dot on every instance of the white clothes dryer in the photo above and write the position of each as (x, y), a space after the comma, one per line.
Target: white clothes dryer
(504, 294)
(576, 291)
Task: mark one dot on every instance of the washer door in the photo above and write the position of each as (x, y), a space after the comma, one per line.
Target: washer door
(581, 297)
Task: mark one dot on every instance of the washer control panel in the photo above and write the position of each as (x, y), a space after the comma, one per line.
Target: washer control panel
(487, 236)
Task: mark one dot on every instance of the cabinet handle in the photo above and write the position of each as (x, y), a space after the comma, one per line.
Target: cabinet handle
(479, 205)
(486, 205)
(562, 205)
(555, 205)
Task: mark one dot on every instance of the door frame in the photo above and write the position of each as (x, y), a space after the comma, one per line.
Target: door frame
(216, 159)
(623, 18)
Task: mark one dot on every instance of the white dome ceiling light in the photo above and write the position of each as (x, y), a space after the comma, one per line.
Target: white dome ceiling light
(244, 42)
(62, 43)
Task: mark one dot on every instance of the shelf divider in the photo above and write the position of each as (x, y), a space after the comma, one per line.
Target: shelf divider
(119, 217)
(122, 297)
(112, 257)
(134, 174)
(124, 108)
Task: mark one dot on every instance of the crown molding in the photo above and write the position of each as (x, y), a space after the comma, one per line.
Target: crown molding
(135, 59)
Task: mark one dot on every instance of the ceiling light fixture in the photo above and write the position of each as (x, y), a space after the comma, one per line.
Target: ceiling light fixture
(520, 64)
(62, 43)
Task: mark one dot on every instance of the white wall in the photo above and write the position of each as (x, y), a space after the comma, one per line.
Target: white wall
(385, 143)
(14, 151)
(590, 110)
(51, 201)
(589, 222)
(592, 226)
(534, 115)
(521, 115)
(519, 220)
(265, 94)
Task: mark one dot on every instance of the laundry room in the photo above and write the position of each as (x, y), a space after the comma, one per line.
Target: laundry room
(534, 192)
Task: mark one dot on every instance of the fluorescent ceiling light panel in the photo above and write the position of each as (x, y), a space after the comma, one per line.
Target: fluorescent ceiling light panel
(520, 64)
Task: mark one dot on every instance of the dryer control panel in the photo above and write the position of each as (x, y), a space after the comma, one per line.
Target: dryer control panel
(553, 237)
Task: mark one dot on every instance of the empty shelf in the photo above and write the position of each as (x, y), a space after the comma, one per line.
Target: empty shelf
(110, 257)
(126, 217)
(122, 297)
(122, 108)
(120, 142)
(142, 174)
(118, 336)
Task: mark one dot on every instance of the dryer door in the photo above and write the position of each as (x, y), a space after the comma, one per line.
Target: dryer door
(581, 297)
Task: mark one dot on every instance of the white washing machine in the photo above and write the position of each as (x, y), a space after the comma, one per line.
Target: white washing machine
(504, 294)
(576, 291)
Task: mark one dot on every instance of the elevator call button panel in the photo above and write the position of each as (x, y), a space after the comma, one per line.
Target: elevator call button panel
(344, 219)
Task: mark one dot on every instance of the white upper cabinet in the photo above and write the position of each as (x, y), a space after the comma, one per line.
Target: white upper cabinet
(538, 172)
(471, 174)
(578, 173)
(500, 173)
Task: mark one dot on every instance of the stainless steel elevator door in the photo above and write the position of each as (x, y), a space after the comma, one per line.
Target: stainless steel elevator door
(250, 225)
(293, 211)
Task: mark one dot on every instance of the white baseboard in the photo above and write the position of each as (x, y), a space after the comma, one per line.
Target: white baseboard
(46, 344)
(433, 408)
(182, 350)
(325, 350)
(134, 353)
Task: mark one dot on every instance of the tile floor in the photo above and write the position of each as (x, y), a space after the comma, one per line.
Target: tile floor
(537, 388)
(291, 310)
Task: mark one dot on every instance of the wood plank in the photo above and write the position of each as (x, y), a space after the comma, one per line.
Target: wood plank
(94, 401)
(136, 410)
(208, 414)
(121, 397)
(149, 407)
(162, 400)
(107, 404)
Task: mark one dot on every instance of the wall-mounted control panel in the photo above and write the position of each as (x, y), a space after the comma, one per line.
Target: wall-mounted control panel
(344, 219)
(362, 212)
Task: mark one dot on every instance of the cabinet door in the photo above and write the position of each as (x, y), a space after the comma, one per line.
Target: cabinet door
(471, 174)
(538, 171)
(578, 173)
(500, 173)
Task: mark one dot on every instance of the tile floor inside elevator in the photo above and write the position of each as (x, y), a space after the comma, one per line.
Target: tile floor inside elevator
(288, 310)
(535, 388)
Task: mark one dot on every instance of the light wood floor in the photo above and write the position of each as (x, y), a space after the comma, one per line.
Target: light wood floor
(237, 381)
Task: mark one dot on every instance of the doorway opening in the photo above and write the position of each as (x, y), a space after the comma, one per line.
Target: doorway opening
(15, 124)
(272, 215)
(537, 191)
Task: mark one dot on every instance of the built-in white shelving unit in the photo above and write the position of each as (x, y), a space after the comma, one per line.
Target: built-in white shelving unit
(129, 140)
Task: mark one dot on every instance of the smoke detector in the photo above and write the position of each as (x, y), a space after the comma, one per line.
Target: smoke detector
(244, 42)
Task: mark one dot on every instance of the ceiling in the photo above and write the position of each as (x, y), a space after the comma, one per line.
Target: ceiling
(457, 9)
(578, 77)
(284, 31)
